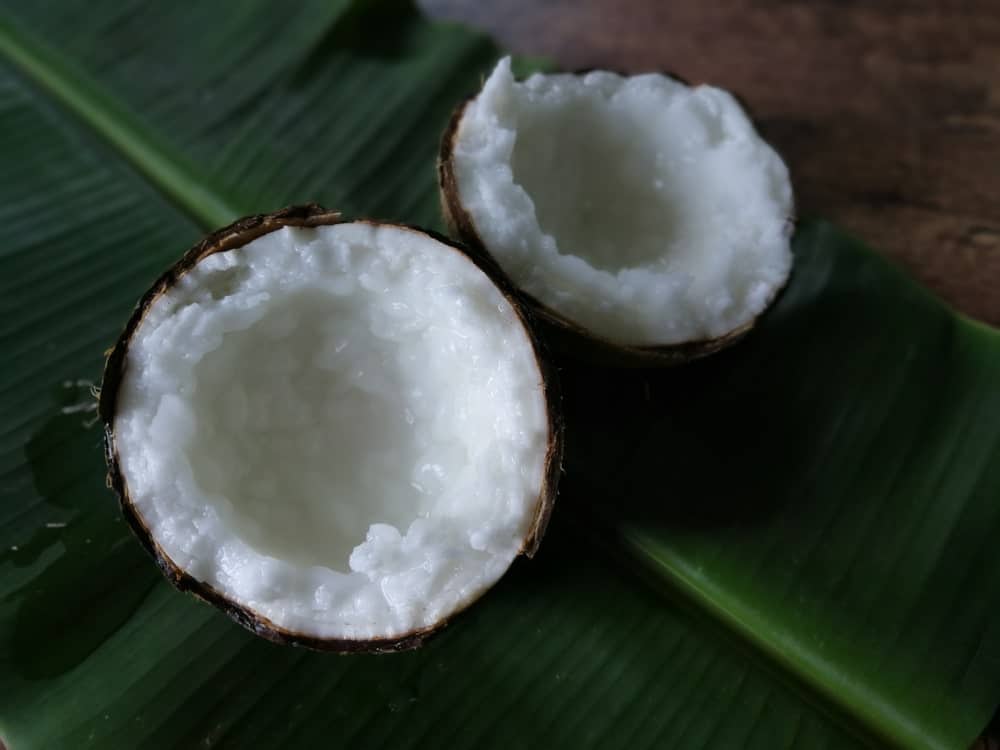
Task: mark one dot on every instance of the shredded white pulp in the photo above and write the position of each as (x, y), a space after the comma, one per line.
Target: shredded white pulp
(648, 211)
(342, 429)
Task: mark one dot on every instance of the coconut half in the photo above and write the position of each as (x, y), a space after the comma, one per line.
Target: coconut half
(645, 219)
(341, 433)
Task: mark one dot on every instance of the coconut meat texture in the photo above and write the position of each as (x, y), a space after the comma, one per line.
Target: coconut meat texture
(644, 210)
(342, 430)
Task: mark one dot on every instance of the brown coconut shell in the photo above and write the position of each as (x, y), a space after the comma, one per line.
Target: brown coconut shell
(564, 334)
(235, 236)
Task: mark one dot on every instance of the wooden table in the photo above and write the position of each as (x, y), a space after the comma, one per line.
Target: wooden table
(887, 113)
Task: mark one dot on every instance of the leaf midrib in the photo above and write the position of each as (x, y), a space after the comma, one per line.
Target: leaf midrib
(166, 171)
(866, 708)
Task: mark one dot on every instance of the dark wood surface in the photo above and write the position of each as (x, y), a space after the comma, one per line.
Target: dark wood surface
(888, 113)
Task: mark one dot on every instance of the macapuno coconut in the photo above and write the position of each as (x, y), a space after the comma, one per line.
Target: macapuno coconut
(645, 220)
(340, 433)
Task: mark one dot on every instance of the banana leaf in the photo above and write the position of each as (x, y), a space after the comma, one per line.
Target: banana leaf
(791, 544)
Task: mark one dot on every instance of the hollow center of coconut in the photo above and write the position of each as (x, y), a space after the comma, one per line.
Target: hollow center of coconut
(645, 210)
(341, 429)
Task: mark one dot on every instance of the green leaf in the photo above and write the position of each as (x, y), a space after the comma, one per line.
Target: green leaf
(818, 504)
(838, 504)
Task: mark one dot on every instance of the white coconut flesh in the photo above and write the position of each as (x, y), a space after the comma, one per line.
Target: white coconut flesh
(645, 210)
(341, 429)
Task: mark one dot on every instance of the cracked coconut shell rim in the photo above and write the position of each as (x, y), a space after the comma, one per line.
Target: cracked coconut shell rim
(643, 219)
(340, 433)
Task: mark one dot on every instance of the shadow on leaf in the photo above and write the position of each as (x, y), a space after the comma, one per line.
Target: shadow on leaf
(95, 576)
(377, 30)
(734, 439)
